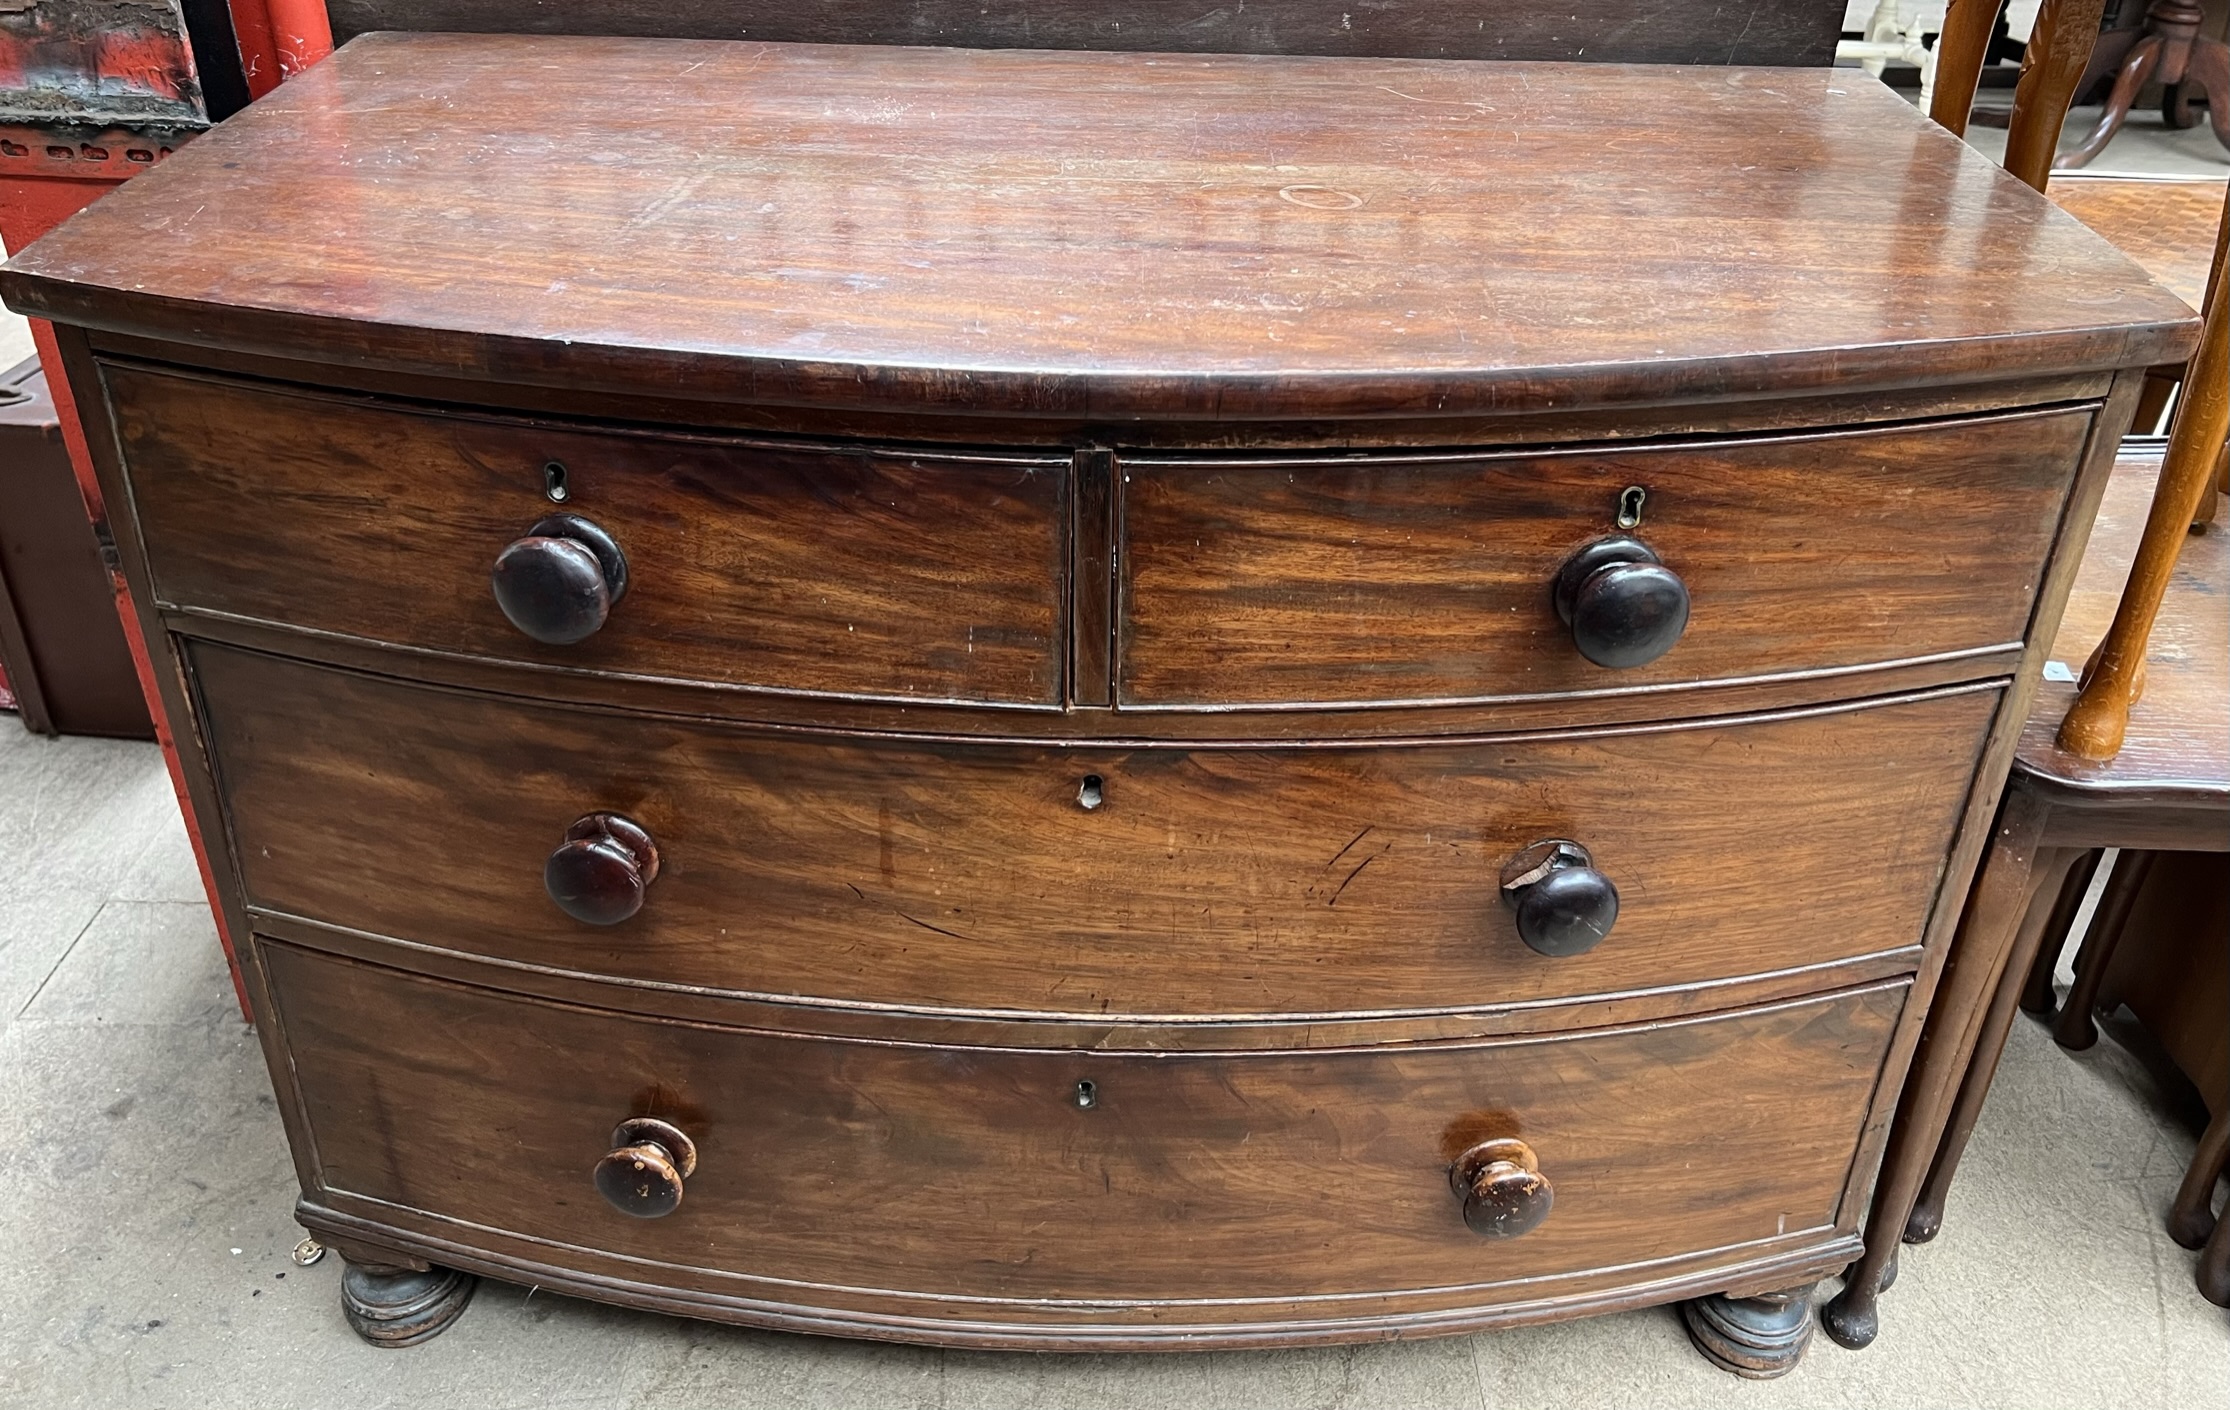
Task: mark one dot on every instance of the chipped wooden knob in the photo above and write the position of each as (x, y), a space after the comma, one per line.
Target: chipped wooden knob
(599, 874)
(642, 1176)
(559, 582)
(1624, 606)
(1564, 905)
(1503, 1191)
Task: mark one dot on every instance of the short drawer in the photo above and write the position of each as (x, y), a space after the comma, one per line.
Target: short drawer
(1380, 579)
(1061, 1183)
(1086, 880)
(818, 568)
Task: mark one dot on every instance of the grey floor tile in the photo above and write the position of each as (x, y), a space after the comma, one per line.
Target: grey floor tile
(140, 962)
(37, 928)
(76, 814)
(165, 869)
(2144, 147)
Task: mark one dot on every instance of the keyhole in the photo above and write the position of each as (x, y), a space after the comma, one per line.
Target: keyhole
(553, 483)
(1091, 794)
(1630, 507)
(1087, 1095)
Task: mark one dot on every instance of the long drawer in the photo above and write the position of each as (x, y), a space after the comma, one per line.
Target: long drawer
(1088, 880)
(1388, 578)
(1050, 1184)
(831, 569)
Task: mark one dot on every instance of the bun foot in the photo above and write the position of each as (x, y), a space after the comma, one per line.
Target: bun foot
(1852, 1320)
(403, 1306)
(1757, 1337)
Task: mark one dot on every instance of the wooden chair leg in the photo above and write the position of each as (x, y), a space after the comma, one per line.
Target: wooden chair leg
(2213, 1273)
(2076, 1030)
(2097, 721)
(1979, 950)
(2037, 996)
(2153, 398)
(2210, 504)
(2050, 869)
(2191, 1219)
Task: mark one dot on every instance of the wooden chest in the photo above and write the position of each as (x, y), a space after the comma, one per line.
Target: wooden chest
(1121, 701)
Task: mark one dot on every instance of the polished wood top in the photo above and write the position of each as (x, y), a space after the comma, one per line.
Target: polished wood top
(1103, 235)
(2166, 224)
(2179, 730)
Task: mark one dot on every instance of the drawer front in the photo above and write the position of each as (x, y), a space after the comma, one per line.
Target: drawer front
(809, 568)
(1385, 579)
(976, 1173)
(973, 876)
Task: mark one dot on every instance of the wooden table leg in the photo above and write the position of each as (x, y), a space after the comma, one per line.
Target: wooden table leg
(2213, 1273)
(2051, 869)
(2191, 1219)
(2075, 1029)
(1978, 954)
(2038, 997)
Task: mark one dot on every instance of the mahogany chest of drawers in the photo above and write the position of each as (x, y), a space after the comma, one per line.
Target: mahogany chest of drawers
(1091, 701)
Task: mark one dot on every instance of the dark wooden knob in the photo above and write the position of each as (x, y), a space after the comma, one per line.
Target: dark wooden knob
(600, 871)
(643, 1174)
(559, 583)
(1503, 1191)
(1564, 905)
(1624, 606)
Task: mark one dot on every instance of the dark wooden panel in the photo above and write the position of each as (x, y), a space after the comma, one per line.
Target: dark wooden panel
(800, 567)
(976, 1174)
(1603, 31)
(1388, 579)
(969, 876)
(1114, 236)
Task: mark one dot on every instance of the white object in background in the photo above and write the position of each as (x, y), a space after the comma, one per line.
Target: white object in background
(1894, 33)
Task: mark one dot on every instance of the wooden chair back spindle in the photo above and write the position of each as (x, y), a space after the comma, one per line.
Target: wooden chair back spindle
(2096, 723)
(2059, 48)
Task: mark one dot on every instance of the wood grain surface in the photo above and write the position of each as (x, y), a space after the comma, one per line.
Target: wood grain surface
(1606, 31)
(1208, 881)
(1204, 237)
(2179, 729)
(2166, 225)
(978, 1175)
(829, 568)
(1381, 579)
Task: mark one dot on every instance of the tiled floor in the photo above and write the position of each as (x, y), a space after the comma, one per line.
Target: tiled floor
(144, 1235)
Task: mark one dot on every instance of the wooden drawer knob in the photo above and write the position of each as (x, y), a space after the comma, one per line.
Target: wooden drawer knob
(1503, 1191)
(1564, 905)
(600, 871)
(559, 583)
(1624, 606)
(643, 1174)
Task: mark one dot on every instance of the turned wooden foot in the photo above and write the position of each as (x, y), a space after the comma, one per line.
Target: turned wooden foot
(2191, 1220)
(1758, 1337)
(391, 1306)
(2213, 1272)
